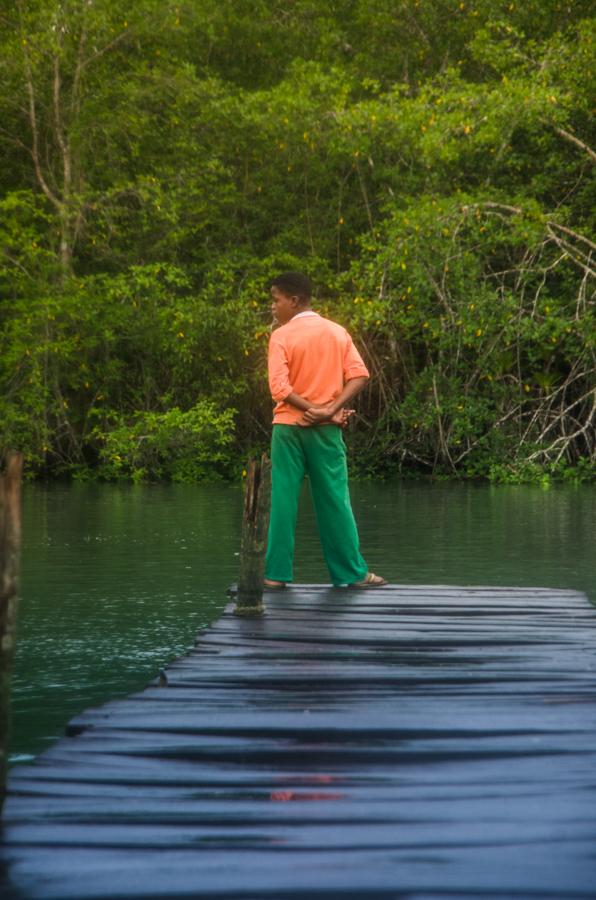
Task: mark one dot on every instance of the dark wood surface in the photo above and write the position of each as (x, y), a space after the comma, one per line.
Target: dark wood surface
(416, 742)
(10, 549)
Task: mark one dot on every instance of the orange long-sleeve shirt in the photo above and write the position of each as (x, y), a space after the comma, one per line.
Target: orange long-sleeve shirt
(313, 357)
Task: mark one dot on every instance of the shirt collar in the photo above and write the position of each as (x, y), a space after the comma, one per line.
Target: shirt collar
(307, 312)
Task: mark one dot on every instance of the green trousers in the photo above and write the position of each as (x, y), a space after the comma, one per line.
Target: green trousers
(319, 452)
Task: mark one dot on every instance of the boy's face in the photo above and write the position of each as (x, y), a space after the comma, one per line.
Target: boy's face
(283, 307)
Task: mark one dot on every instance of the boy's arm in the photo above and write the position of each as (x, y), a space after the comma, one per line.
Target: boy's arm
(355, 376)
(298, 401)
(341, 417)
(316, 414)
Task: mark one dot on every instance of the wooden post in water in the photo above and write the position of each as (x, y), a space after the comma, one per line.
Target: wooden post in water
(255, 525)
(10, 544)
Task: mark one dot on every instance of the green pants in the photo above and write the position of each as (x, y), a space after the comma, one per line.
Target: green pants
(319, 452)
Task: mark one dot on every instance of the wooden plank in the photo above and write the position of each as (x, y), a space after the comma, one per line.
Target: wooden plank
(278, 872)
(415, 742)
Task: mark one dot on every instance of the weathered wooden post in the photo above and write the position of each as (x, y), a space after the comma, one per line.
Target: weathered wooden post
(10, 544)
(255, 525)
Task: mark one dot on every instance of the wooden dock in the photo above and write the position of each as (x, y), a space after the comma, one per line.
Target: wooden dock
(408, 742)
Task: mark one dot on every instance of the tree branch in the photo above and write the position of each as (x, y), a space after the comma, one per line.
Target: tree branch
(574, 140)
(34, 149)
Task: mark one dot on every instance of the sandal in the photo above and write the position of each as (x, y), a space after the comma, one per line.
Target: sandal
(371, 580)
(269, 585)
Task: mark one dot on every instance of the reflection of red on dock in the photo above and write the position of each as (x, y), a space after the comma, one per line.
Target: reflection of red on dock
(308, 795)
(304, 795)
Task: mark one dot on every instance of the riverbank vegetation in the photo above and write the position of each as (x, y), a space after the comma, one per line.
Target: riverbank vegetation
(429, 164)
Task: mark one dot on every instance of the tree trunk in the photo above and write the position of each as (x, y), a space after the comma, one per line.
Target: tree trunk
(10, 542)
(255, 526)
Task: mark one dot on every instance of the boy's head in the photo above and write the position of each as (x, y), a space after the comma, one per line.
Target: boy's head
(290, 294)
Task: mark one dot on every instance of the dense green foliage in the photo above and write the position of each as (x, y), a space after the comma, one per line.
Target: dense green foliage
(428, 162)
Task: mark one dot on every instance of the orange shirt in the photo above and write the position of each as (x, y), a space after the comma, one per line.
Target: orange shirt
(313, 357)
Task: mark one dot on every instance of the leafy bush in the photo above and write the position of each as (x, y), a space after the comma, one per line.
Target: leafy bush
(195, 445)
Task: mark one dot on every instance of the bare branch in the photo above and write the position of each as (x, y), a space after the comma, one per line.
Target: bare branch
(34, 149)
(572, 253)
(443, 442)
(566, 439)
(105, 49)
(76, 82)
(562, 415)
(574, 140)
(500, 421)
(574, 234)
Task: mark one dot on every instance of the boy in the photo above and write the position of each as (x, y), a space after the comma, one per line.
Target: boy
(314, 370)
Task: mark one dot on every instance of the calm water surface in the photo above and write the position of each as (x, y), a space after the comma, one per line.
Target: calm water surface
(116, 580)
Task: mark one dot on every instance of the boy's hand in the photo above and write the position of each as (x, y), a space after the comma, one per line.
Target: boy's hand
(318, 414)
(342, 416)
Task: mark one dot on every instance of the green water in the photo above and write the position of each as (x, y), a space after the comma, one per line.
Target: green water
(116, 580)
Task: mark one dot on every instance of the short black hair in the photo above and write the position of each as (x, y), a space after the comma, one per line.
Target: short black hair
(293, 284)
